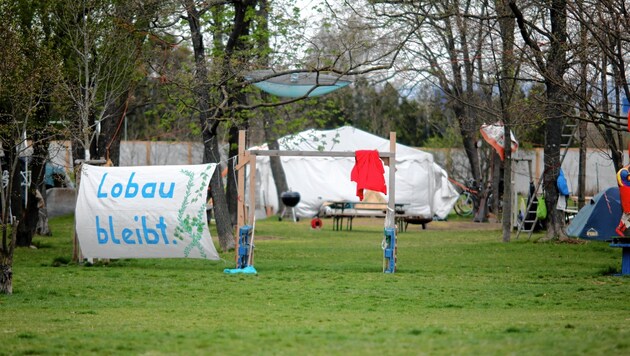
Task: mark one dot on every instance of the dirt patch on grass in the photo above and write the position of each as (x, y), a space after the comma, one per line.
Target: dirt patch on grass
(266, 237)
(461, 225)
(434, 225)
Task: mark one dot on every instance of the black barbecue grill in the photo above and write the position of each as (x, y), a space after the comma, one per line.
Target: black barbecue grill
(290, 199)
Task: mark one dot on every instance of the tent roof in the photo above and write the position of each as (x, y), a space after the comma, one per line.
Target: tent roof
(348, 139)
(420, 183)
(598, 219)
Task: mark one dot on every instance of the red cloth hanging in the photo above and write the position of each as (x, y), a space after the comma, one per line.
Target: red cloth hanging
(368, 172)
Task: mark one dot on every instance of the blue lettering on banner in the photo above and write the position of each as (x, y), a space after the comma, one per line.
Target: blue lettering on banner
(146, 233)
(148, 190)
(117, 190)
(99, 194)
(132, 188)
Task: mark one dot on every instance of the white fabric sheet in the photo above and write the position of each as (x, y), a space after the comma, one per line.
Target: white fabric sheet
(421, 184)
(144, 212)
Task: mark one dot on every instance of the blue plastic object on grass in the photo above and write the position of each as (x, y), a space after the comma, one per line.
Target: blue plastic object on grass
(246, 270)
(624, 243)
(389, 250)
(244, 246)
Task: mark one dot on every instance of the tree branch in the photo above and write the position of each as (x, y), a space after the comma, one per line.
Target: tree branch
(520, 20)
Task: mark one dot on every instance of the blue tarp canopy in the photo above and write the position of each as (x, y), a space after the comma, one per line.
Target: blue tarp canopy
(598, 219)
(51, 170)
(296, 85)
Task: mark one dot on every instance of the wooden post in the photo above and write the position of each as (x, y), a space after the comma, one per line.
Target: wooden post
(391, 204)
(242, 161)
(76, 251)
(252, 206)
(252, 189)
(240, 167)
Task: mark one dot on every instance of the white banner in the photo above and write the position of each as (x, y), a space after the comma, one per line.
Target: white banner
(144, 212)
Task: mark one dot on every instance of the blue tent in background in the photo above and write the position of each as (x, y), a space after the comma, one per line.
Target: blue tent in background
(599, 218)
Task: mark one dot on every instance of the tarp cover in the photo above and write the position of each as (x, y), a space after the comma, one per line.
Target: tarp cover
(494, 135)
(420, 183)
(598, 219)
(144, 212)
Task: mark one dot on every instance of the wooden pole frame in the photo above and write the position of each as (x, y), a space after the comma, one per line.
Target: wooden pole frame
(249, 157)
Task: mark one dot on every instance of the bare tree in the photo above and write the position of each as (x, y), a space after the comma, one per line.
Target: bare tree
(449, 45)
(552, 65)
(598, 80)
(28, 73)
(465, 69)
(209, 119)
(507, 88)
(101, 59)
(131, 30)
(223, 80)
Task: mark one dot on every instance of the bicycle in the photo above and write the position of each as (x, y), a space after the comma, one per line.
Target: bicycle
(470, 198)
(465, 204)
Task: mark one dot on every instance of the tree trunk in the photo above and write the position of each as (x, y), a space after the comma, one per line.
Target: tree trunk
(467, 125)
(496, 181)
(609, 136)
(42, 227)
(7, 230)
(271, 136)
(553, 69)
(277, 170)
(583, 125)
(6, 257)
(615, 151)
(553, 141)
(507, 87)
(469, 140)
(470, 147)
(240, 29)
(109, 137)
(6, 274)
(111, 127)
(30, 214)
(209, 125)
(506, 225)
(78, 153)
(15, 200)
(556, 105)
(232, 188)
(221, 213)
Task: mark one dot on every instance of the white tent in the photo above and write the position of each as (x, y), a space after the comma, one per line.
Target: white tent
(421, 184)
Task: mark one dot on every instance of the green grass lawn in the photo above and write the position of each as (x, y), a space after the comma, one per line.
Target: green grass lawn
(323, 292)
